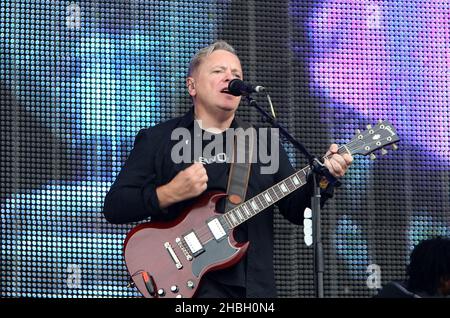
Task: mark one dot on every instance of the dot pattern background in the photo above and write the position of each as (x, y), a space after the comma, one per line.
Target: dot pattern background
(79, 79)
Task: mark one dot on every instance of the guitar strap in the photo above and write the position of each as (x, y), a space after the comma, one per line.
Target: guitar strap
(240, 171)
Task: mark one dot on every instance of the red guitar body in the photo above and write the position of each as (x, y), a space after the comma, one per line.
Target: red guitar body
(161, 263)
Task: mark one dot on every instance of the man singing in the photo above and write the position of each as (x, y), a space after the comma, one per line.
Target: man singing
(153, 185)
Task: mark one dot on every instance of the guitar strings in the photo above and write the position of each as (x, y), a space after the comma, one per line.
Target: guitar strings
(203, 232)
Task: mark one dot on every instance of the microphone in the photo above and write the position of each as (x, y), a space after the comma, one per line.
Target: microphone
(237, 87)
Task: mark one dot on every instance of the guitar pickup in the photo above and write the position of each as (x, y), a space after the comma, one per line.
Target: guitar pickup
(194, 244)
(216, 229)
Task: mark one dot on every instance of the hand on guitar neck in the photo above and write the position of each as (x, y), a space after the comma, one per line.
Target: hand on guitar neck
(337, 163)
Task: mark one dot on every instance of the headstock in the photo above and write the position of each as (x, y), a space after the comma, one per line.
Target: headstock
(373, 138)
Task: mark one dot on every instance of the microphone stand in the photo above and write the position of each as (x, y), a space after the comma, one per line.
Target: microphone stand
(318, 170)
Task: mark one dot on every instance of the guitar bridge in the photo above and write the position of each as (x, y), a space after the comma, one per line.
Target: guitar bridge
(183, 249)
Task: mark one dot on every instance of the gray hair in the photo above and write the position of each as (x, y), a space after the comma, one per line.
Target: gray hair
(206, 51)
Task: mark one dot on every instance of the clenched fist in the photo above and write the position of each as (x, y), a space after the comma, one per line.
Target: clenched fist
(187, 184)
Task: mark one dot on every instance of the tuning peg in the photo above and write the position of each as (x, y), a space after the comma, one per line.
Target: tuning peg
(372, 156)
(358, 131)
(394, 147)
(369, 126)
(383, 151)
(380, 121)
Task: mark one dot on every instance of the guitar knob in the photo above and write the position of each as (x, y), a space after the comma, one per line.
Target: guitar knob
(190, 284)
(161, 292)
(174, 289)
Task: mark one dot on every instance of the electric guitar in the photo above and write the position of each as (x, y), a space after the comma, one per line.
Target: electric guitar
(168, 259)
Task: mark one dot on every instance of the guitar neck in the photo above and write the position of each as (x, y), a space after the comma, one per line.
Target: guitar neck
(265, 199)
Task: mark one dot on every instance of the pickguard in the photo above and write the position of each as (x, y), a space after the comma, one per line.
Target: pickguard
(215, 252)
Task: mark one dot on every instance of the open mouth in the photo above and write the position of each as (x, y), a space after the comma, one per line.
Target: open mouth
(226, 91)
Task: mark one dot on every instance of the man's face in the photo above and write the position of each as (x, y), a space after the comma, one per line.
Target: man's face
(208, 83)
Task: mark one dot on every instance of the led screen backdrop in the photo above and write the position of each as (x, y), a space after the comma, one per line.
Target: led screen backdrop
(79, 79)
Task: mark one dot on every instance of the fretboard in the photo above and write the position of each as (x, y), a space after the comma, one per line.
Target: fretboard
(260, 202)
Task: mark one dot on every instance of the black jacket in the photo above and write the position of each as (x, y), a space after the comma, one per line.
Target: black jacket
(133, 198)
